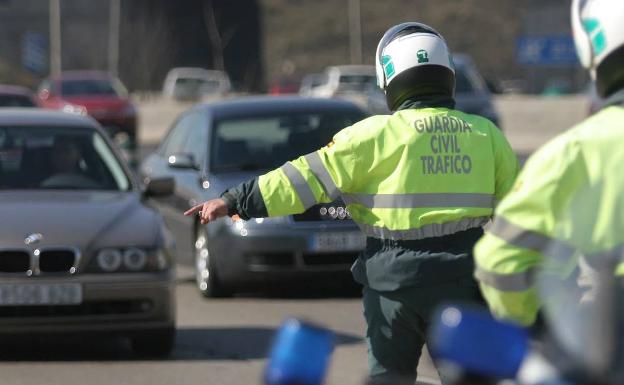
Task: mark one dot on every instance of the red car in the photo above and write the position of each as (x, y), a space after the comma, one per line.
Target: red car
(94, 93)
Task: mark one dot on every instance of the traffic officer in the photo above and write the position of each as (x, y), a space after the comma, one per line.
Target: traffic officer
(568, 199)
(420, 183)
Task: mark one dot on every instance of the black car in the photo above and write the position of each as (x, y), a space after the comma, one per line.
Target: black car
(212, 147)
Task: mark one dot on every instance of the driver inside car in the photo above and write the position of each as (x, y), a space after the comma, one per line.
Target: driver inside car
(69, 169)
(66, 156)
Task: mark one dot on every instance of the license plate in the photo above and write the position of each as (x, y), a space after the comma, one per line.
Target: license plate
(40, 294)
(348, 241)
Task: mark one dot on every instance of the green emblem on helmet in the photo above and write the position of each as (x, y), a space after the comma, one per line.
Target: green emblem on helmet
(423, 56)
(388, 66)
(596, 35)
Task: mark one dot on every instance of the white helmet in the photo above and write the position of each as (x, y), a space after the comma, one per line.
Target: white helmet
(413, 59)
(598, 28)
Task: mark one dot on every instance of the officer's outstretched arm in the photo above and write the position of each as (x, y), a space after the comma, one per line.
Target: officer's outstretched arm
(297, 185)
(317, 177)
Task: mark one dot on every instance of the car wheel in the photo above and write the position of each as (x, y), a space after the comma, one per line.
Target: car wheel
(205, 269)
(154, 343)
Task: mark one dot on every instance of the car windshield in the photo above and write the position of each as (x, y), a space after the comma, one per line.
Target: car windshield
(357, 82)
(103, 87)
(198, 84)
(266, 142)
(58, 158)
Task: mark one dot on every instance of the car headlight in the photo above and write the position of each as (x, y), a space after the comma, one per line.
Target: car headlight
(109, 260)
(132, 259)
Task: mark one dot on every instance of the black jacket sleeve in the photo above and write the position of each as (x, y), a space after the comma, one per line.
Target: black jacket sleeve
(245, 200)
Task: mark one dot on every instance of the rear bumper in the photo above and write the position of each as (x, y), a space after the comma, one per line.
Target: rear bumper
(120, 303)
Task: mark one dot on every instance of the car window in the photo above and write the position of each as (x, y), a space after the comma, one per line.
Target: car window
(177, 137)
(58, 158)
(16, 101)
(262, 143)
(103, 87)
(196, 142)
(357, 82)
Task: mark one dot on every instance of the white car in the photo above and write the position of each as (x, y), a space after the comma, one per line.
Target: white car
(343, 79)
(192, 84)
(356, 83)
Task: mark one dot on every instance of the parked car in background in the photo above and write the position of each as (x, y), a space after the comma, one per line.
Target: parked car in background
(358, 83)
(309, 83)
(80, 251)
(212, 147)
(16, 96)
(342, 80)
(193, 84)
(471, 92)
(284, 87)
(97, 94)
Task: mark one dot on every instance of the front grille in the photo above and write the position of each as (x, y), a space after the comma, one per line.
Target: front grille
(56, 261)
(270, 259)
(84, 309)
(334, 211)
(329, 259)
(14, 261)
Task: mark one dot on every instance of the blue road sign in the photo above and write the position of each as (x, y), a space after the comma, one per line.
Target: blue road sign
(556, 50)
(34, 52)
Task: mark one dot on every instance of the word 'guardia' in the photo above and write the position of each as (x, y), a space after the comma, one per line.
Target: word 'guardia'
(447, 157)
(442, 124)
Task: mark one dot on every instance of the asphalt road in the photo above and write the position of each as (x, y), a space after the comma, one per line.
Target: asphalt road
(219, 342)
(225, 342)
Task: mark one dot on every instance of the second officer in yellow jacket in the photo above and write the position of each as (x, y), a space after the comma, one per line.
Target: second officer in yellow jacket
(567, 202)
(420, 183)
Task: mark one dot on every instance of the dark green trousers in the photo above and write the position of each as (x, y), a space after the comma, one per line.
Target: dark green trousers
(397, 324)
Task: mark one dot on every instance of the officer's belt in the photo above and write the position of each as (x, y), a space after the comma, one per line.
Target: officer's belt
(425, 231)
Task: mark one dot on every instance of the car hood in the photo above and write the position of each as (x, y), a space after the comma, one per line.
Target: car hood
(78, 219)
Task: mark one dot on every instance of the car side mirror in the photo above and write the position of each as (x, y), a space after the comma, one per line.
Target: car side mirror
(182, 160)
(159, 187)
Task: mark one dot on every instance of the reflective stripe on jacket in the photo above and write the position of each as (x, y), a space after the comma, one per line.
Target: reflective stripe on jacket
(418, 173)
(567, 202)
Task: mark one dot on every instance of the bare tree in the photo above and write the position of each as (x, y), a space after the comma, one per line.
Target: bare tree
(218, 41)
(148, 49)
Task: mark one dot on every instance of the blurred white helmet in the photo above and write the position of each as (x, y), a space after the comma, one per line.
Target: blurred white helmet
(413, 59)
(598, 29)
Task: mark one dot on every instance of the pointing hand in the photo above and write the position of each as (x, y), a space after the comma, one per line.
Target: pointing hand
(209, 211)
